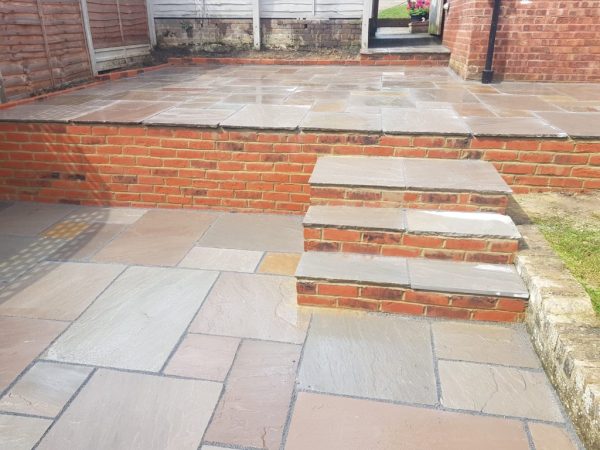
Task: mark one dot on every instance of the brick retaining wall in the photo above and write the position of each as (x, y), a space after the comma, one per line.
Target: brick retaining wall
(244, 170)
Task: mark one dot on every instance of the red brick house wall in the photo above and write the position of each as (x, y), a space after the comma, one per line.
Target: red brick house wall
(41, 48)
(538, 40)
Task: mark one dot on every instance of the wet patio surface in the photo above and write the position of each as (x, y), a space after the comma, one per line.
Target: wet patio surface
(135, 329)
(393, 100)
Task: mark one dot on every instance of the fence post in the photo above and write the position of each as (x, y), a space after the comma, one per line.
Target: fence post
(151, 26)
(3, 98)
(366, 21)
(45, 38)
(256, 23)
(88, 35)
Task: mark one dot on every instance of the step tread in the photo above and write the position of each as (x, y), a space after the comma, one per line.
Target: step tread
(496, 280)
(409, 173)
(416, 221)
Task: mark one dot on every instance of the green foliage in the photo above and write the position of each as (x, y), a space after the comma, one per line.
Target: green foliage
(395, 12)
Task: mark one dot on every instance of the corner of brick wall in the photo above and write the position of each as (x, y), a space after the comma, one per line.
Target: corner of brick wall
(565, 332)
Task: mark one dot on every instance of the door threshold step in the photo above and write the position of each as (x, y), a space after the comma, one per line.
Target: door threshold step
(415, 286)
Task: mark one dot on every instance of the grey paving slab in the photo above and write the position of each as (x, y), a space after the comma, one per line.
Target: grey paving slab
(18, 255)
(324, 422)
(417, 121)
(356, 121)
(353, 267)
(453, 175)
(267, 116)
(21, 433)
(203, 356)
(58, 291)
(355, 217)
(253, 306)
(159, 238)
(517, 101)
(550, 437)
(369, 355)
(83, 247)
(222, 259)
(21, 341)
(44, 389)
(126, 111)
(194, 117)
(507, 126)
(497, 390)
(12, 245)
(30, 219)
(466, 278)
(494, 344)
(454, 223)
(112, 216)
(254, 406)
(137, 321)
(260, 232)
(47, 112)
(580, 125)
(357, 171)
(141, 412)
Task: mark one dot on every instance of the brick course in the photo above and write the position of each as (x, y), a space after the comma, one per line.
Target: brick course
(242, 170)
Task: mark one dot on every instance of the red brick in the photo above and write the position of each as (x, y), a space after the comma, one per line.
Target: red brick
(497, 316)
(403, 308)
(513, 305)
(306, 287)
(427, 298)
(465, 244)
(415, 240)
(314, 300)
(452, 313)
(381, 293)
(355, 303)
(337, 290)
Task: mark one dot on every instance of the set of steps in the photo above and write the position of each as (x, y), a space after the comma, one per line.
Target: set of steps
(415, 236)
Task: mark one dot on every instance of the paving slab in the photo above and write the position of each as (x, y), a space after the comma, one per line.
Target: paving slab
(507, 126)
(498, 390)
(115, 216)
(577, 125)
(158, 238)
(65, 230)
(203, 356)
(392, 219)
(126, 111)
(324, 422)
(280, 263)
(21, 341)
(59, 291)
(253, 306)
(21, 433)
(19, 255)
(141, 412)
(467, 278)
(369, 355)
(353, 267)
(518, 100)
(30, 219)
(186, 116)
(418, 121)
(12, 245)
(267, 116)
(137, 321)
(343, 121)
(550, 437)
(254, 406)
(210, 258)
(82, 248)
(48, 112)
(355, 171)
(261, 232)
(484, 343)
(44, 389)
(454, 223)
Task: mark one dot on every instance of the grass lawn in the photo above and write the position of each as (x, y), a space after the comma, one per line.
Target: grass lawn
(579, 247)
(395, 12)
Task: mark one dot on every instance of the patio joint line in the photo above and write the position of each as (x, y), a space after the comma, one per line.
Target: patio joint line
(508, 366)
(436, 373)
(19, 414)
(529, 435)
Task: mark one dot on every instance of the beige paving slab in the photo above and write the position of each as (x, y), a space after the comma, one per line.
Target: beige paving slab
(29, 219)
(137, 321)
(88, 243)
(65, 230)
(142, 412)
(253, 409)
(203, 356)
(116, 216)
(59, 291)
(158, 238)
(211, 258)
(280, 263)
(21, 341)
(21, 433)
(253, 306)
(262, 232)
(322, 422)
(498, 390)
(484, 343)
(369, 355)
(550, 437)
(44, 389)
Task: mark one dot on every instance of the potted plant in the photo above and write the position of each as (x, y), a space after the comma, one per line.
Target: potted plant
(418, 10)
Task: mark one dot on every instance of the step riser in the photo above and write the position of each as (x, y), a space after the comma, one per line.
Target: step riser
(400, 300)
(390, 243)
(378, 198)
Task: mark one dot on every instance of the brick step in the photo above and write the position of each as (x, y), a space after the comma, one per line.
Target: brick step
(416, 286)
(458, 236)
(459, 185)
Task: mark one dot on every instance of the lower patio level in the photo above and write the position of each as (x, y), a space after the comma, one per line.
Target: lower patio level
(130, 328)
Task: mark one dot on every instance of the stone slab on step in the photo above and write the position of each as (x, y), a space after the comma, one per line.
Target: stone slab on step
(497, 280)
(392, 219)
(409, 174)
(353, 267)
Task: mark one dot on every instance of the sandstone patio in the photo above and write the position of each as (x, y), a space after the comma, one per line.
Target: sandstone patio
(154, 329)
